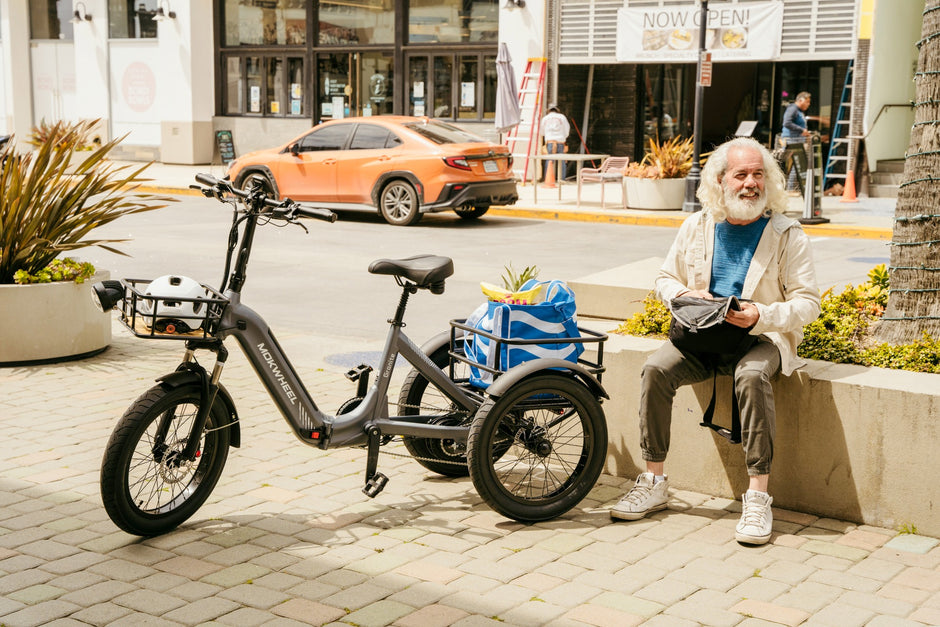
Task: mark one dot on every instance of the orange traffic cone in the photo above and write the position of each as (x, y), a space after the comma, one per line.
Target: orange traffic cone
(549, 175)
(848, 194)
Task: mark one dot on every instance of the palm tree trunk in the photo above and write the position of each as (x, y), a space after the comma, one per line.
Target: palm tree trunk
(914, 301)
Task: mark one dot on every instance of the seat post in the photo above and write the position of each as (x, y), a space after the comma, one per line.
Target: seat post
(407, 290)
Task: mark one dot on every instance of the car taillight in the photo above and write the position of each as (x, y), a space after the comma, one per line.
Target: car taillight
(457, 162)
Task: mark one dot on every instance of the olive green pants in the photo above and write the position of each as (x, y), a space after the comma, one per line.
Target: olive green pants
(669, 368)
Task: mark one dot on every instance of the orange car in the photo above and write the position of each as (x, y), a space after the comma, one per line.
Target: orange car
(401, 166)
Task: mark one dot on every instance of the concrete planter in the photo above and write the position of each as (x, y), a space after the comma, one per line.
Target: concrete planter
(656, 194)
(852, 443)
(48, 321)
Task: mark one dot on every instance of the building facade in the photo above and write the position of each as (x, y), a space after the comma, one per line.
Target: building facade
(168, 74)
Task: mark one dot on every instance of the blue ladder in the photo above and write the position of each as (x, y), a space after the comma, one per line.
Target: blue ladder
(838, 158)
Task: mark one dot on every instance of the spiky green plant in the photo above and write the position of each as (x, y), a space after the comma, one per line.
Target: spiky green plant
(513, 280)
(45, 211)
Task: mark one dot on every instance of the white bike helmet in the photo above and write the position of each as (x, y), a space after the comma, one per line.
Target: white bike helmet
(174, 314)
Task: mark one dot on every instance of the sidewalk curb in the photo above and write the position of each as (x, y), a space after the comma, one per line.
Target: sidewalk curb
(613, 216)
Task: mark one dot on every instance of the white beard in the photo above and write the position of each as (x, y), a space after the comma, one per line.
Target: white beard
(743, 210)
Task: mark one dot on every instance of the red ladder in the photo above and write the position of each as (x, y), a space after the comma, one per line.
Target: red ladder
(523, 139)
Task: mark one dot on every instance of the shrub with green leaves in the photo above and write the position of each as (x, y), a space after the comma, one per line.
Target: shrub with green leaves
(513, 281)
(45, 210)
(841, 334)
(67, 269)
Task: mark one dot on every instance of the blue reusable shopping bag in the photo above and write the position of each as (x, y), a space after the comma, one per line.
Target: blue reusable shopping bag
(554, 317)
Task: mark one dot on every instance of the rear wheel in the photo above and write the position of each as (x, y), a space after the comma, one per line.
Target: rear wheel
(445, 457)
(398, 204)
(536, 451)
(470, 212)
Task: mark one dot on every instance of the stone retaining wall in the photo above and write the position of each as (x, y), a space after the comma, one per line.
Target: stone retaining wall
(852, 443)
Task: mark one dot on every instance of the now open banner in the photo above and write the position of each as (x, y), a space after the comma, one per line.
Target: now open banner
(744, 31)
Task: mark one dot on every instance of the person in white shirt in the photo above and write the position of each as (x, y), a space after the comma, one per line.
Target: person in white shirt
(555, 130)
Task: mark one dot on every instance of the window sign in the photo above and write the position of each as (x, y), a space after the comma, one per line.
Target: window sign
(468, 94)
(339, 107)
(418, 89)
(254, 99)
(735, 32)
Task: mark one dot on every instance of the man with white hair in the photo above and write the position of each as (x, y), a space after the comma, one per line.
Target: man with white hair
(740, 245)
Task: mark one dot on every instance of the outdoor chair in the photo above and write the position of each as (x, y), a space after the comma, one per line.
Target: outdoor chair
(611, 170)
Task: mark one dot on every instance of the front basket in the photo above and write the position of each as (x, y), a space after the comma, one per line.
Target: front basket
(148, 316)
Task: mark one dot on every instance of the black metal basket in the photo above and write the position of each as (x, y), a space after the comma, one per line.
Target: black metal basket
(587, 336)
(141, 313)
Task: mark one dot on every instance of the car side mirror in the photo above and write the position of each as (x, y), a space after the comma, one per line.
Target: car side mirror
(294, 149)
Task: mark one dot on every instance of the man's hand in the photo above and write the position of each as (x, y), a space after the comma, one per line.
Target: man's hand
(747, 317)
(698, 294)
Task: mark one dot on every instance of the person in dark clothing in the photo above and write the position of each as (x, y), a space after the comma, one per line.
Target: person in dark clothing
(795, 130)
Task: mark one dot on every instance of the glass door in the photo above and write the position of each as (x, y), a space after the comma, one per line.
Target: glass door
(354, 84)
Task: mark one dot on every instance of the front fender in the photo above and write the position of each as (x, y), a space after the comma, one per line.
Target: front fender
(545, 365)
(182, 378)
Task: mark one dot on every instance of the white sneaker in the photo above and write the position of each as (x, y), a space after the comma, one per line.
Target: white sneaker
(642, 499)
(757, 520)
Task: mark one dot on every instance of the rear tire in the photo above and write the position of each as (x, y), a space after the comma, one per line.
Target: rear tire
(146, 487)
(471, 213)
(398, 204)
(536, 452)
(445, 457)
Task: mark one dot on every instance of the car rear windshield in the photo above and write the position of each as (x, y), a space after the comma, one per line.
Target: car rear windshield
(441, 133)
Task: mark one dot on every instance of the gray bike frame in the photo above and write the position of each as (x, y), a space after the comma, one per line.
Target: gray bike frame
(311, 425)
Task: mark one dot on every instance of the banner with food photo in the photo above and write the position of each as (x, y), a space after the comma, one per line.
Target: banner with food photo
(734, 32)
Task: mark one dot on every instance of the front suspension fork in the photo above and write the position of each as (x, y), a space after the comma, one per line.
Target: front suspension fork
(208, 388)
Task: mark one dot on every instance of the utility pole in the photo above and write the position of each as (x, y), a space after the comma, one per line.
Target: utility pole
(691, 204)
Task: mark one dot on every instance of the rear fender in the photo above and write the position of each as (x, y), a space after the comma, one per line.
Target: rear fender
(182, 378)
(546, 366)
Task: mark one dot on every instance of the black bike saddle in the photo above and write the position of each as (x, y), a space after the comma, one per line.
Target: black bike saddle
(426, 271)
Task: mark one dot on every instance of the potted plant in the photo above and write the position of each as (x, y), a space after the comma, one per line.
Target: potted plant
(658, 181)
(46, 312)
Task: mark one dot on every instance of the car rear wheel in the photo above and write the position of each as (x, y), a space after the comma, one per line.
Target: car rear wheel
(252, 178)
(398, 204)
(470, 212)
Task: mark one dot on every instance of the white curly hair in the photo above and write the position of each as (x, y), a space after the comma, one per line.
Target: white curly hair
(711, 193)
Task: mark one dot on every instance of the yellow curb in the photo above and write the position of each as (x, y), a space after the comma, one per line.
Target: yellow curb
(817, 230)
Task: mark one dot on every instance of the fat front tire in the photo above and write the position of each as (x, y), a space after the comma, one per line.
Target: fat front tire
(398, 204)
(445, 457)
(146, 486)
(471, 213)
(536, 452)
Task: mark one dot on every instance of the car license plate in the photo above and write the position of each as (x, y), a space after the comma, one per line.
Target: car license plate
(490, 166)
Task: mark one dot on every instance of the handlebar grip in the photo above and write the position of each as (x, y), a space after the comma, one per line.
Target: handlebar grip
(207, 179)
(316, 213)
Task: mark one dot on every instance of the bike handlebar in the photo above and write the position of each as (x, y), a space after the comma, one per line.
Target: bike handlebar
(286, 208)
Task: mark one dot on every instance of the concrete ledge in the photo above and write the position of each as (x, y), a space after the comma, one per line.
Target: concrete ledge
(852, 443)
(617, 293)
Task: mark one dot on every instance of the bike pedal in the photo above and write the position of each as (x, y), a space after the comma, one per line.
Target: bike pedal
(355, 373)
(375, 484)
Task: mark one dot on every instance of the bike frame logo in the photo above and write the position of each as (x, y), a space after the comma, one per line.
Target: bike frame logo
(276, 370)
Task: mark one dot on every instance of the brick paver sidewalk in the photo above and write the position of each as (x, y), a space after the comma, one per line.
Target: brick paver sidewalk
(287, 538)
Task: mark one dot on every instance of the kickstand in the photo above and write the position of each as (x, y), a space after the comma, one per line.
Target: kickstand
(375, 481)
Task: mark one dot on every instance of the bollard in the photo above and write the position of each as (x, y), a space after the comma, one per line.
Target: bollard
(812, 203)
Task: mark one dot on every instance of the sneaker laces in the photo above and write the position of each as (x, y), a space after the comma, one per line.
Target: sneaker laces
(638, 494)
(754, 513)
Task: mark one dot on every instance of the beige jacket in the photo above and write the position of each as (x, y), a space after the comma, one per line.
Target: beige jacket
(781, 279)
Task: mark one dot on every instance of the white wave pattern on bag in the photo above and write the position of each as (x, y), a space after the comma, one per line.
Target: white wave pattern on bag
(554, 318)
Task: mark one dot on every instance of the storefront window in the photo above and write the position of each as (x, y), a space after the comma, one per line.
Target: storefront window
(663, 103)
(375, 84)
(354, 83)
(461, 86)
(132, 19)
(253, 74)
(50, 19)
(361, 22)
(452, 21)
(234, 86)
(295, 88)
(265, 23)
